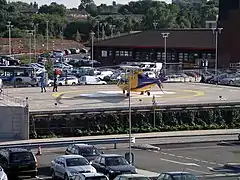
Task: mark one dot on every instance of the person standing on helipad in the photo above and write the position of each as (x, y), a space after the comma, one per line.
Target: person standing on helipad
(43, 88)
(55, 82)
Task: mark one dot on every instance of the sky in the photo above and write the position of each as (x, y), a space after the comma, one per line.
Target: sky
(75, 3)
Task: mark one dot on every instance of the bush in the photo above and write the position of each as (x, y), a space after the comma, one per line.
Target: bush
(117, 123)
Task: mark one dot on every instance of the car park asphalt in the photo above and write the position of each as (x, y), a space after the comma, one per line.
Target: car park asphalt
(96, 96)
(198, 160)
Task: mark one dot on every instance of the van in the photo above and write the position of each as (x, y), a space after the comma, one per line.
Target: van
(91, 80)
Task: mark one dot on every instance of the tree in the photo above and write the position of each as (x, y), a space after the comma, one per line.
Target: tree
(53, 8)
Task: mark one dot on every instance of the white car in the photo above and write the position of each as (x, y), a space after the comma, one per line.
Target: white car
(71, 80)
(3, 175)
(90, 176)
(66, 166)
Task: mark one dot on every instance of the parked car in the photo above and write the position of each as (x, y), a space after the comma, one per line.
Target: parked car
(66, 166)
(90, 176)
(176, 176)
(3, 175)
(18, 162)
(131, 177)
(88, 151)
(113, 165)
(71, 80)
(91, 80)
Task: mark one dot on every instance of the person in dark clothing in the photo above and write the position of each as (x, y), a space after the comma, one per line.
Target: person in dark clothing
(55, 82)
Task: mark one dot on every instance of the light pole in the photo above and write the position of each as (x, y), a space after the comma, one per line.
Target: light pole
(98, 30)
(30, 33)
(216, 31)
(35, 41)
(165, 36)
(9, 26)
(130, 117)
(47, 32)
(92, 37)
(155, 25)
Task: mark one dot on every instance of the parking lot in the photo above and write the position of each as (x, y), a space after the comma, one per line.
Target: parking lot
(199, 160)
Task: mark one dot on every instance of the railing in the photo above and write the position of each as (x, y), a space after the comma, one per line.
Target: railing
(65, 143)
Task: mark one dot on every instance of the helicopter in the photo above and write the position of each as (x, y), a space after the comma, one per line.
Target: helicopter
(136, 81)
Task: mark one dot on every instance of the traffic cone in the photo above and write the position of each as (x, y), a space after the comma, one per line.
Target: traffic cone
(39, 151)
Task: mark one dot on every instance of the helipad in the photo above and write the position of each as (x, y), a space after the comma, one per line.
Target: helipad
(105, 96)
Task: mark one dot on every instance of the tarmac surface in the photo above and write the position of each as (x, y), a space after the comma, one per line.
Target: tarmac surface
(99, 96)
(200, 160)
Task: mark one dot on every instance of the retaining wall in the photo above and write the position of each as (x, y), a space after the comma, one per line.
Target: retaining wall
(14, 122)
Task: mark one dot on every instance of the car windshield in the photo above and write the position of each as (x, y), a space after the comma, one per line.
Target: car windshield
(21, 156)
(138, 178)
(184, 177)
(88, 151)
(96, 178)
(76, 162)
(116, 161)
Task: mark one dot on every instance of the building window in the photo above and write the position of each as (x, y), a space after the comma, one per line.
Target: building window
(173, 57)
(121, 53)
(104, 53)
(110, 53)
(185, 58)
(180, 57)
(130, 53)
(159, 56)
(137, 55)
(125, 53)
(117, 53)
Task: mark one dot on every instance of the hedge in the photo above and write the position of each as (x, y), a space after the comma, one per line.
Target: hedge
(101, 124)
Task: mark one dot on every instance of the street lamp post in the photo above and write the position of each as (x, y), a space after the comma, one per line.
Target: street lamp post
(98, 30)
(130, 118)
(155, 25)
(216, 31)
(47, 32)
(30, 33)
(35, 41)
(165, 36)
(92, 37)
(9, 26)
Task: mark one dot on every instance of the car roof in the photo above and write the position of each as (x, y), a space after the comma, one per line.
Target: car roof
(17, 150)
(176, 172)
(111, 155)
(83, 145)
(71, 156)
(132, 175)
(92, 174)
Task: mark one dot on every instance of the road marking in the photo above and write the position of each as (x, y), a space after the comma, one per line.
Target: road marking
(171, 155)
(196, 159)
(178, 162)
(205, 161)
(203, 172)
(188, 158)
(180, 156)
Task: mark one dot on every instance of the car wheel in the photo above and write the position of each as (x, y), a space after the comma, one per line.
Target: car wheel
(73, 83)
(231, 82)
(66, 177)
(33, 175)
(53, 175)
(60, 84)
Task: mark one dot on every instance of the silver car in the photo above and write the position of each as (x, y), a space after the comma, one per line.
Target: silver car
(66, 166)
(3, 175)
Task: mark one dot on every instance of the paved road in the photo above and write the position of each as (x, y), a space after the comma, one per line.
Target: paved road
(197, 160)
(96, 96)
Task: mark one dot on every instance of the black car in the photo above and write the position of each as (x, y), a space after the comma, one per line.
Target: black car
(113, 165)
(18, 162)
(90, 152)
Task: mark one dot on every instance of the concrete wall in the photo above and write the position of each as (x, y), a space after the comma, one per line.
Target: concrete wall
(14, 122)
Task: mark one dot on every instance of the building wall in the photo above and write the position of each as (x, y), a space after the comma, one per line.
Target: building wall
(14, 122)
(113, 56)
(230, 39)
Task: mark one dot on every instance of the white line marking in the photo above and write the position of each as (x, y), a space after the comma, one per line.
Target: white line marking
(197, 171)
(196, 159)
(156, 151)
(171, 155)
(164, 153)
(180, 156)
(220, 164)
(188, 158)
(205, 161)
(210, 168)
(189, 148)
(212, 163)
(178, 162)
